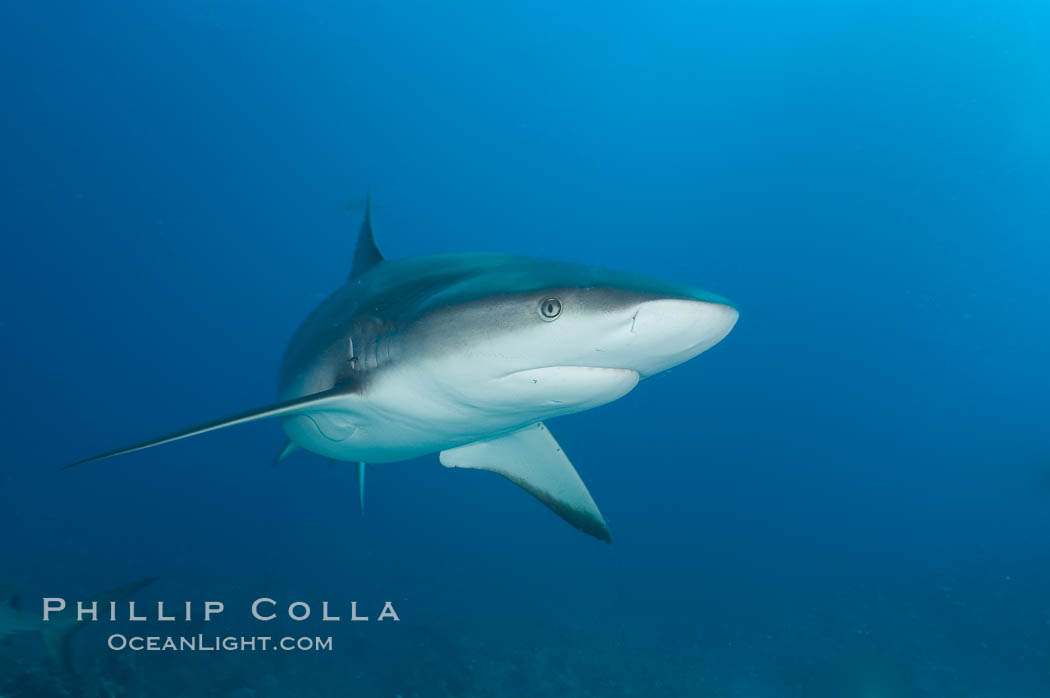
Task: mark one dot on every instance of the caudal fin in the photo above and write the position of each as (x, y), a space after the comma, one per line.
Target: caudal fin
(59, 631)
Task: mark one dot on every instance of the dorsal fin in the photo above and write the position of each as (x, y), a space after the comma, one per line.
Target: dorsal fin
(366, 255)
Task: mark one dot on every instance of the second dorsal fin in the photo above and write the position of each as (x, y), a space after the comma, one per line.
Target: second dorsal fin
(366, 255)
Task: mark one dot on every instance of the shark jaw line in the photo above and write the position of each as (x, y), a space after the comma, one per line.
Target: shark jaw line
(539, 370)
(569, 388)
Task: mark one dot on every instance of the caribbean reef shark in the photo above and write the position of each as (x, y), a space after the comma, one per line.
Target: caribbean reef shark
(466, 355)
(57, 631)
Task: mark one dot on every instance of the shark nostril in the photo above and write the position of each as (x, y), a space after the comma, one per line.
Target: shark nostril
(634, 319)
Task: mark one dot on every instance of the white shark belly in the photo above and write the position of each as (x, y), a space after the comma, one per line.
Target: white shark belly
(330, 434)
(402, 419)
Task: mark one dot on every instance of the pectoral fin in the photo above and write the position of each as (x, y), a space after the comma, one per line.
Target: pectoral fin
(299, 405)
(533, 460)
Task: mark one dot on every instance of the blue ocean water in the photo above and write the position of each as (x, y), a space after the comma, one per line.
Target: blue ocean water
(849, 496)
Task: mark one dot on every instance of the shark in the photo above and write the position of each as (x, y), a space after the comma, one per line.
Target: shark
(16, 619)
(468, 355)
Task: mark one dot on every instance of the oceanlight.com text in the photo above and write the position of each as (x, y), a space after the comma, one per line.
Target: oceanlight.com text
(215, 643)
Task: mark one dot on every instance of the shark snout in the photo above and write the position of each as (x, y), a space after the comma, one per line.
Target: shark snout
(666, 332)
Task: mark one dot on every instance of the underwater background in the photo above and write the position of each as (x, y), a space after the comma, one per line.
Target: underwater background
(848, 497)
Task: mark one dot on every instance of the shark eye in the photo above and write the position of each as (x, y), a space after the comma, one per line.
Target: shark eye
(550, 309)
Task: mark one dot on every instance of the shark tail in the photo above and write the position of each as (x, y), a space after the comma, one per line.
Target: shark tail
(57, 641)
(57, 637)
